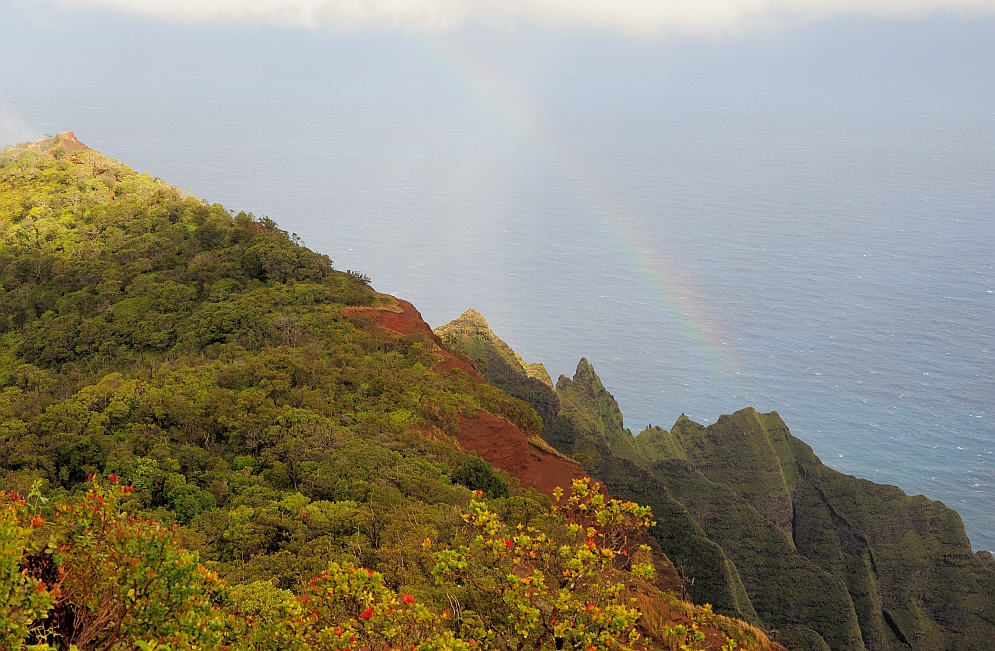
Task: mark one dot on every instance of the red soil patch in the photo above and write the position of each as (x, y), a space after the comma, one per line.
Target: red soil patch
(406, 322)
(497, 441)
(410, 322)
(503, 445)
(70, 145)
(69, 142)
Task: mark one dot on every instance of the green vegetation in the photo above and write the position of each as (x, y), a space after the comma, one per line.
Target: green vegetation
(281, 470)
(211, 362)
(758, 526)
(92, 576)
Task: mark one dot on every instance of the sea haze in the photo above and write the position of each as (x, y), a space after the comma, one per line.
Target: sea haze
(800, 220)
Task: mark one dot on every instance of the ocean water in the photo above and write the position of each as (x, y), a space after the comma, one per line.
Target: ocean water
(800, 220)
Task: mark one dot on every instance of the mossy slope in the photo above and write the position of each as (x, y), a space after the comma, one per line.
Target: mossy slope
(761, 528)
(587, 425)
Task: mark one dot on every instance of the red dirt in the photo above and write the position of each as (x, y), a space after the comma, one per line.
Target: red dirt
(407, 322)
(69, 142)
(410, 322)
(503, 445)
(497, 441)
(70, 145)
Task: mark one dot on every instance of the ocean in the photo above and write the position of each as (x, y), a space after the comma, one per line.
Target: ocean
(799, 220)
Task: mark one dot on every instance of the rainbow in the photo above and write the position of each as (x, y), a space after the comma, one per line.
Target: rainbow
(658, 277)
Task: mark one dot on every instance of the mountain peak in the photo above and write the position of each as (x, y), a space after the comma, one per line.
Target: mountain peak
(60, 144)
(470, 335)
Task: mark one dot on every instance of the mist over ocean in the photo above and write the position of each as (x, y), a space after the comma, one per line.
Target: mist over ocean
(799, 220)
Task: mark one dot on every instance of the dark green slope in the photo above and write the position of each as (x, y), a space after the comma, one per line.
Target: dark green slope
(586, 424)
(789, 591)
(905, 560)
(761, 528)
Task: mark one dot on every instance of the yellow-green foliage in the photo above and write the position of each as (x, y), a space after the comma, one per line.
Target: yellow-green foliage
(549, 583)
(124, 581)
(24, 600)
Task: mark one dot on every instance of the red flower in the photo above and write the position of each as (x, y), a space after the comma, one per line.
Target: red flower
(588, 608)
(366, 614)
(478, 492)
(337, 630)
(408, 599)
(114, 478)
(90, 477)
(446, 613)
(127, 489)
(37, 521)
(590, 543)
(508, 543)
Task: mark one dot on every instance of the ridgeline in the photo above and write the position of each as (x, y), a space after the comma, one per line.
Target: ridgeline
(210, 437)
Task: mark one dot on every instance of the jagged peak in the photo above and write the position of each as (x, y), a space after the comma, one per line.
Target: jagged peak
(473, 324)
(587, 377)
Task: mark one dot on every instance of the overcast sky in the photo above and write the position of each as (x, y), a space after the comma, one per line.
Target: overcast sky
(645, 17)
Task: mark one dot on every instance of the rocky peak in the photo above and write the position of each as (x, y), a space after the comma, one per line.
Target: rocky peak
(470, 335)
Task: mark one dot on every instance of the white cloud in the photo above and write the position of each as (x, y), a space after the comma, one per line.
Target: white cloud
(641, 16)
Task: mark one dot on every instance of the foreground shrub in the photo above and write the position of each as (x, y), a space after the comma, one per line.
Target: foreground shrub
(99, 579)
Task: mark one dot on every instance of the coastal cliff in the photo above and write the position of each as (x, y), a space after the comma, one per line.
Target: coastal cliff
(758, 526)
(212, 438)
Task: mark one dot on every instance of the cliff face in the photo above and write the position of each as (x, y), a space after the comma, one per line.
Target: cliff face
(910, 577)
(758, 526)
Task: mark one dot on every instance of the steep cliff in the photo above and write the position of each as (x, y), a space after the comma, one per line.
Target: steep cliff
(760, 527)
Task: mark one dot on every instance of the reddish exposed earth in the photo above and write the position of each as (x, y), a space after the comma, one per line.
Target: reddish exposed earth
(70, 145)
(503, 445)
(410, 322)
(497, 441)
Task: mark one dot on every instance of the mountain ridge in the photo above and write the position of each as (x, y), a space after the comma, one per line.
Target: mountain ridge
(823, 559)
(285, 417)
(257, 433)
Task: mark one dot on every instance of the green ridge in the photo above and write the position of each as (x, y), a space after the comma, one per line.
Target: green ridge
(583, 420)
(758, 526)
(231, 377)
